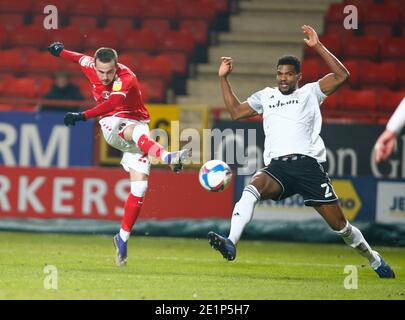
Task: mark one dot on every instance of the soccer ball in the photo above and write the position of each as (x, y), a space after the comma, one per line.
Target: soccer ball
(215, 175)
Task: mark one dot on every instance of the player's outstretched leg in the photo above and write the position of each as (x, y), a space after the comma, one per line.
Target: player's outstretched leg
(354, 238)
(223, 245)
(140, 135)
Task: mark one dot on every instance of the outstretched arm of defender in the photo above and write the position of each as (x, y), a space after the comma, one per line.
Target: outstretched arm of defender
(237, 109)
(331, 82)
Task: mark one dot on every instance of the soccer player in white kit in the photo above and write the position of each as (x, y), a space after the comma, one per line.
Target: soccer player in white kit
(385, 144)
(293, 150)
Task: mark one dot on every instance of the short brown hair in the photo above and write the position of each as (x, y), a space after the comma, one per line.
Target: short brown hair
(106, 55)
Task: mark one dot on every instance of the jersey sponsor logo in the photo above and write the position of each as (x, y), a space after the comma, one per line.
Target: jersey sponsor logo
(105, 94)
(282, 104)
(117, 85)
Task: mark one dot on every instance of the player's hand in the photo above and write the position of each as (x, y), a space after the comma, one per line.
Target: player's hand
(56, 48)
(313, 39)
(71, 118)
(385, 145)
(226, 66)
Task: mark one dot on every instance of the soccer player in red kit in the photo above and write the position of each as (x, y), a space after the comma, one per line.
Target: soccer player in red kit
(124, 123)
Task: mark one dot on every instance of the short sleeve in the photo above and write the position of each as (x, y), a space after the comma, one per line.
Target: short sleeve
(255, 101)
(318, 92)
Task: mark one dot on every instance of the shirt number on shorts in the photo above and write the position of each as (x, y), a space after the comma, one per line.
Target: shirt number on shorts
(327, 190)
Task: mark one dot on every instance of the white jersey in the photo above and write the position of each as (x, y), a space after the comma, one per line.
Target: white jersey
(292, 123)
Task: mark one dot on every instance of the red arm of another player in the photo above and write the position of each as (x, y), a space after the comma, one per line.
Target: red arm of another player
(107, 106)
(71, 55)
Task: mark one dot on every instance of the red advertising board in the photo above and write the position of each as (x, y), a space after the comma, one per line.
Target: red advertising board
(100, 193)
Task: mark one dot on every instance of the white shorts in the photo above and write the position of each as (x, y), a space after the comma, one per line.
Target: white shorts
(133, 157)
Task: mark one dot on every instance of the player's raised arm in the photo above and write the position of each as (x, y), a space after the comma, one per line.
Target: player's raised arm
(57, 49)
(331, 82)
(237, 109)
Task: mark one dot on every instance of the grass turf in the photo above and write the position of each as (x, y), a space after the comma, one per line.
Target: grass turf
(187, 269)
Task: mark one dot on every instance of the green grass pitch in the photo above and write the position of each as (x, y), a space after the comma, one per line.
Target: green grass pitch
(187, 269)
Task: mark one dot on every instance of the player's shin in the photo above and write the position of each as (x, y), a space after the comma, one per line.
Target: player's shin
(140, 136)
(243, 212)
(354, 238)
(132, 207)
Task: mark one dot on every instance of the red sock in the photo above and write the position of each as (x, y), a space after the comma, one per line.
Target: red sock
(132, 208)
(150, 146)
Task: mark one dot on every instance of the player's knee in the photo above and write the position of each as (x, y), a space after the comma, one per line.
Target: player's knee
(138, 188)
(266, 185)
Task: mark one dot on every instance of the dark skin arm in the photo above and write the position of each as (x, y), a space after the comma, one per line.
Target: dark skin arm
(332, 81)
(237, 109)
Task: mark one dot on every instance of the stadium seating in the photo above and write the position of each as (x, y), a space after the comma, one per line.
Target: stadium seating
(37, 6)
(12, 20)
(331, 41)
(380, 14)
(3, 37)
(71, 37)
(163, 31)
(41, 62)
(154, 89)
(204, 10)
(199, 29)
(310, 70)
(373, 54)
(388, 100)
(19, 87)
(163, 9)
(157, 25)
(382, 30)
(132, 59)
(13, 6)
(139, 39)
(119, 24)
(123, 8)
(11, 60)
(177, 41)
(393, 48)
(379, 74)
(99, 37)
(357, 100)
(44, 83)
(83, 24)
(178, 61)
(156, 67)
(28, 36)
(87, 8)
(361, 47)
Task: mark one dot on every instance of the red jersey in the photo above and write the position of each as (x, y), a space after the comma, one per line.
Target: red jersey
(125, 85)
